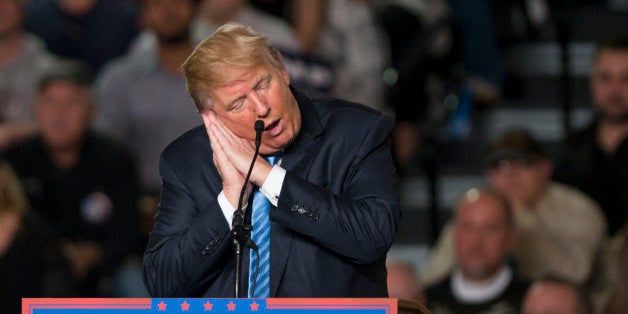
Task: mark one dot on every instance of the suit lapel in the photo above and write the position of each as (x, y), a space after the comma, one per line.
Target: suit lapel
(297, 159)
(299, 155)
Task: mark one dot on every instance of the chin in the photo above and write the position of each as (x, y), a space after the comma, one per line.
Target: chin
(267, 150)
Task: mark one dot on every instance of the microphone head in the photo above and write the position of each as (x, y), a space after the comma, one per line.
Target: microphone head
(259, 125)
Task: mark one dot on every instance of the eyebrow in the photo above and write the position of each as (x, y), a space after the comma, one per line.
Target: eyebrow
(262, 78)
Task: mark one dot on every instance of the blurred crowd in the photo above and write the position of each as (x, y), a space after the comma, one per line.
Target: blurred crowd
(90, 93)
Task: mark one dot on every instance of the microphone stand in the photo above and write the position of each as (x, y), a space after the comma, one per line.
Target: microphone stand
(238, 229)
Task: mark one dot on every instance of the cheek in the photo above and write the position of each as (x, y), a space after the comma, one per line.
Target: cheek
(496, 246)
(242, 126)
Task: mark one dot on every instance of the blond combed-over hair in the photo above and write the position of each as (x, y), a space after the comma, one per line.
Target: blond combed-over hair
(232, 46)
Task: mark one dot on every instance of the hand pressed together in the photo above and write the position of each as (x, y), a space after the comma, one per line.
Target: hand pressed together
(232, 157)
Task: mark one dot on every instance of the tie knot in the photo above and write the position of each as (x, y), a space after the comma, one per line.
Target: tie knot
(272, 159)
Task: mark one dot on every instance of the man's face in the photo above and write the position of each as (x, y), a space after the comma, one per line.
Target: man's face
(550, 298)
(11, 17)
(169, 19)
(63, 112)
(609, 84)
(522, 181)
(260, 93)
(482, 237)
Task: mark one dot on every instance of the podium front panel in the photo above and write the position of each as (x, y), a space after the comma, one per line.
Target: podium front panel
(207, 306)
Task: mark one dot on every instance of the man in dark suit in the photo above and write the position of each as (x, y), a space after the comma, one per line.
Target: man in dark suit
(334, 206)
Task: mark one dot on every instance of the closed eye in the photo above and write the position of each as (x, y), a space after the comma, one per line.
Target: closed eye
(237, 104)
(263, 83)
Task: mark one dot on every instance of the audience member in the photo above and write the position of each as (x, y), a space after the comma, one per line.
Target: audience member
(96, 31)
(214, 14)
(554, 295)
(481, 281)
(142, 96)
(344, 39)
(560, 229)
(403, 281)
(31, 263)
(595, 159)
(22, 59)
(82, 184)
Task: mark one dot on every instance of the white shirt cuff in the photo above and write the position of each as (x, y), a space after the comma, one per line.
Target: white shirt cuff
(272, 186)
(227, 208)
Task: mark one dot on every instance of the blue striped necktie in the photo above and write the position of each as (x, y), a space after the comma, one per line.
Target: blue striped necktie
(260, 234)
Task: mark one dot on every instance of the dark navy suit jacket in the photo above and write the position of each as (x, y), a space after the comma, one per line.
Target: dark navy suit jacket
(336, 217)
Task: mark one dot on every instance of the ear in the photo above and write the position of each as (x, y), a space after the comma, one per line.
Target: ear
(285, 75)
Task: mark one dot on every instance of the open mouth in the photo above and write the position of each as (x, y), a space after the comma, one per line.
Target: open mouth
(274, 128)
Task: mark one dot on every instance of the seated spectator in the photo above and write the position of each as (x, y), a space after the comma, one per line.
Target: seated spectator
(22, 60)
(560, 229)
(403, 281)
(481, 280)
(595, 159)
(553, 295)
(141, 97)
(31, 262)
(81, 183)
(96, 31)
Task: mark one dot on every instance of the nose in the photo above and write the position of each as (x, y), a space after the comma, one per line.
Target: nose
(260, 107)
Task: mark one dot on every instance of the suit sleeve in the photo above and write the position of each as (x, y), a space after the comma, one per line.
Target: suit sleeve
(357, 218)
(187, 250)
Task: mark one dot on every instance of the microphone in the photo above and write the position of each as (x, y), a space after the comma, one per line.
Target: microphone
(238, 229)
(259, 127)
(238, 216)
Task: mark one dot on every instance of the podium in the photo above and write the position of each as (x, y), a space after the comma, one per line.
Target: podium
(215, 306)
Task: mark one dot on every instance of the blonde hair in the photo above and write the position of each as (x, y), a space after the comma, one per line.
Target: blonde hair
(12, 197)
(231, 46)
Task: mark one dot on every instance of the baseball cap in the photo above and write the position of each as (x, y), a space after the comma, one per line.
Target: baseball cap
(74, 71)
(516, 143)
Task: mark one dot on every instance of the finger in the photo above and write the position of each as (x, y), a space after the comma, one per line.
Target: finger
(221, 153)
(237, 150)
(219, 158)
(225, 135)
(216, 138)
